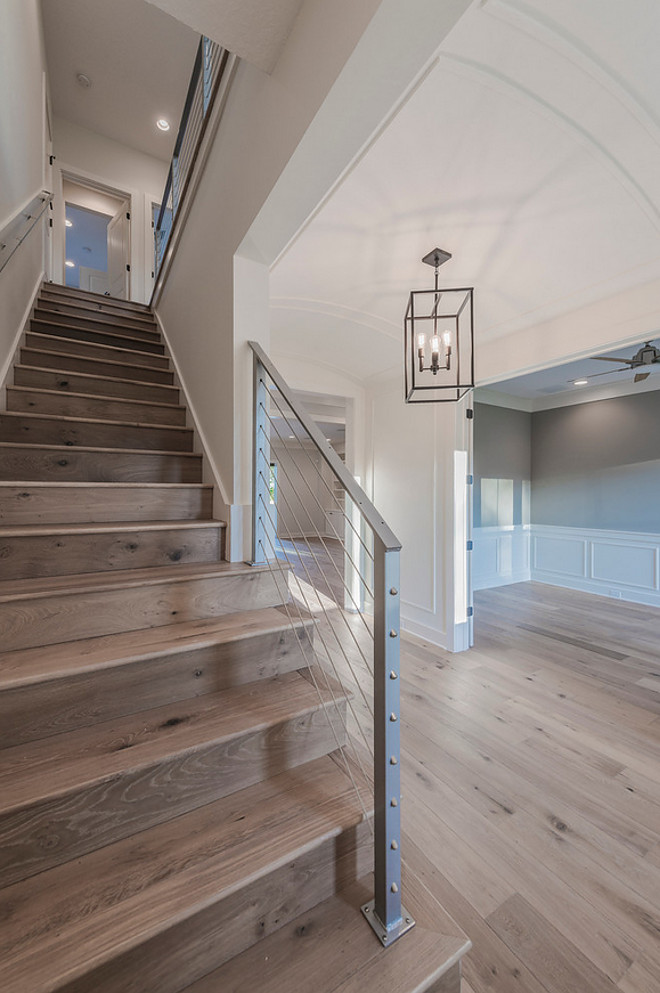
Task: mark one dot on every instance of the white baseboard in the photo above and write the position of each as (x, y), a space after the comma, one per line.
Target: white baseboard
(8, 364)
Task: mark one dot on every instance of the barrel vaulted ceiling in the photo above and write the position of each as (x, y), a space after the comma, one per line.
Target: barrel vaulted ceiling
(530, 151)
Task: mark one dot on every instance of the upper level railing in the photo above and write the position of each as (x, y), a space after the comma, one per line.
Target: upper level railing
(15, 233)
(210, 63)
(319, 533)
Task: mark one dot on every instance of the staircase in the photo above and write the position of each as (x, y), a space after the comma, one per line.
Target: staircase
(169, 796)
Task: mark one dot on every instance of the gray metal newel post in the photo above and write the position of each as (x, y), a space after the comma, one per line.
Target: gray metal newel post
(385, 913)
(259, 462)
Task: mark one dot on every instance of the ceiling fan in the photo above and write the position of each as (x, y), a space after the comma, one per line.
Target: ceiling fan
(647, 355)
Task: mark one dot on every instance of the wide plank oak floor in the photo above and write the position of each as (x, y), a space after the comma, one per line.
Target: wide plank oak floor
(531, 782)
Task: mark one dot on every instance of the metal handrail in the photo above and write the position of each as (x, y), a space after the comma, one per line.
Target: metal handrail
(208, 68)
(385, 912)
(375, 521)
(16, 231)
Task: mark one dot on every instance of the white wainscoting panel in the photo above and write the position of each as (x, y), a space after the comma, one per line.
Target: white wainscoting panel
(620, 564)
(500, 556)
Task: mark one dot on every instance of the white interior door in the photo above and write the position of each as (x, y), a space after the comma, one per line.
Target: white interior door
(119, 254)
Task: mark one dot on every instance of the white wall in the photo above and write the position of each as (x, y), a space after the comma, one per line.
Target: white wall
(284, 140)
(411, 479)
(24, 170)
(100, 160)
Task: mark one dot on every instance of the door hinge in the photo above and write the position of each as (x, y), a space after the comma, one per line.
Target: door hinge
(128, 268)
(469, 413)
(51, 159)
(128, 215)
(470, 611)
(469, 480)
(470, 545)
(50, 222)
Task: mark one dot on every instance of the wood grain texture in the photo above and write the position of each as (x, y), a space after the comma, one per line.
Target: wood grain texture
(89, 406)
(66, 293)
(60, 503)
(130, 388)
(180, 907)
(96, 465)
(52, 689)
(68, 362)
(83, 611)
(123, 776)
(328, 949)
(115, 351)
(531, 772)
(47, 551)
(52, 429)
(128, 325)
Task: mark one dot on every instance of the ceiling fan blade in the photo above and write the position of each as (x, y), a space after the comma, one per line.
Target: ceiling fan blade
(640, 376)
(607, 358)
(610, 372)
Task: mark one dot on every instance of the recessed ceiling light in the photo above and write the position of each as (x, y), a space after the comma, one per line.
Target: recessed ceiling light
(69, 264)
(580, 382)
(162, 124)
(292, 437)
(68, 223)
(84, 80)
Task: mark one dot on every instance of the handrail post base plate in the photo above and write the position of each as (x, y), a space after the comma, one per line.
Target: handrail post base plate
(387, 936)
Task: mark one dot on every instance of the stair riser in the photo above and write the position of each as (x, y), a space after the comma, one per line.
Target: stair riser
(86, 406)
(126, 340)
(68, 554)
(32, 463)
(56, 617)
(44, 709)
(123, 324)
(95, 367)
(201, 943)
(54, 291)
(79, 504)
(34, 431)
(90, 349)
(63, 827)
(79, 383)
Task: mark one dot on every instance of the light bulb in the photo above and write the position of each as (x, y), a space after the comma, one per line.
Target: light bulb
(446, 338)
(421, 340)
(435, 343)
(69, 264)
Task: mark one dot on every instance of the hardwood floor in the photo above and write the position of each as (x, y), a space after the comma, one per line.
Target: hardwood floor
(531, 782)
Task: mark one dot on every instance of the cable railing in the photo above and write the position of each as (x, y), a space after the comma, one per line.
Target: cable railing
(324, 541)
(16, 231)
(208, 68)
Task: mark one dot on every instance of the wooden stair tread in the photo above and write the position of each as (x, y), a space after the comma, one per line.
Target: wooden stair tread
(95, 582)
(30, 530)
(92, 448)
(331, 949)
(75, 294)
(93, 375)
(37, 771)
(84, 358)
(95, 396)
(82, 310)
(68, 419)
(32, 665)
(168, 873)
(121, 484)
(47, 340)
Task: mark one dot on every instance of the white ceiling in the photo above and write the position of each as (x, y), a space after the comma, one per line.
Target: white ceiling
(252, 29)
(138, 58)
(530, 151)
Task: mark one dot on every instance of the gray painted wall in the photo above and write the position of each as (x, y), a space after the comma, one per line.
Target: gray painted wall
(502, 465)
(591, 465)
(597, 465)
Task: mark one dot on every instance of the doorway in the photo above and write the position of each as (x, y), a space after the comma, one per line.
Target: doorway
(97, 239)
